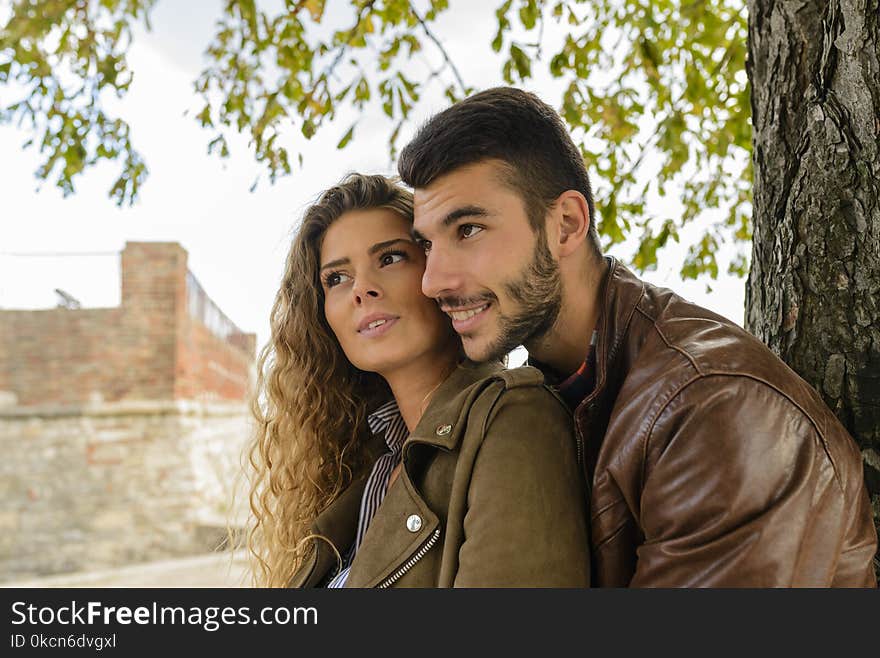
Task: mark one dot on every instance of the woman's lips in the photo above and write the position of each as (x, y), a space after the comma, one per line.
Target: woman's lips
(379, 327)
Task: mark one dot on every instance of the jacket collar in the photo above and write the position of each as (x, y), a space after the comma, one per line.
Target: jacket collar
(443, 422)
(622, 293)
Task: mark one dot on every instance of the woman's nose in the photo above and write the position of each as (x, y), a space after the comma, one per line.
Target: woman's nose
(365, 289)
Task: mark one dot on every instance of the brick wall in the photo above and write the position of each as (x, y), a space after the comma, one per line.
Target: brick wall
(61, 356)
(149, 348)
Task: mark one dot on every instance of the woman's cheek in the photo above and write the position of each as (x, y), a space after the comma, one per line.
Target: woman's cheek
(331, 312)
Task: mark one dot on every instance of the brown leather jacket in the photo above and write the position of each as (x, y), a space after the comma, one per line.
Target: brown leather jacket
(490, 495)
(712, 463)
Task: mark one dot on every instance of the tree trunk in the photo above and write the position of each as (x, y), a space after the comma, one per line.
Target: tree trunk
(813, 293)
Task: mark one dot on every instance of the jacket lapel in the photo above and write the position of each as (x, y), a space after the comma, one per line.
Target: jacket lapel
(404, 523)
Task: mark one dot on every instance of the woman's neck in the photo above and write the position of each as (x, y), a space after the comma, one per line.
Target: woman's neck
(414, 385)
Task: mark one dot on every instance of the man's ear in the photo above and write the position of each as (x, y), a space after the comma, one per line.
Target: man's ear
(572, 215)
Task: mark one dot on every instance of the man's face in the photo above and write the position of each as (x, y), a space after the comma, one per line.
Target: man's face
(486, 266)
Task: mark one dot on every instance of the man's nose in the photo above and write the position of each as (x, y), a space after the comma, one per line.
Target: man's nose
(442, 276)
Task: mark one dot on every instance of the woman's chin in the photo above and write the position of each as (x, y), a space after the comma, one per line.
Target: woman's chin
(377, 366)
(386, 367)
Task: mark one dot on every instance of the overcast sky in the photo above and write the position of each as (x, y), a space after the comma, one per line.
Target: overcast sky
(237, 240)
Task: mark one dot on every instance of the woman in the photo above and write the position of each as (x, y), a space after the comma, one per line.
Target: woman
(382, 457)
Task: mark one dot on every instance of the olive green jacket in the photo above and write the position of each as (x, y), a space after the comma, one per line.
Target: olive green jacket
(490, 495)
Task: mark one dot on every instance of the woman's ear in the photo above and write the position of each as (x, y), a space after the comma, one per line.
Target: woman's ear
(572, 215)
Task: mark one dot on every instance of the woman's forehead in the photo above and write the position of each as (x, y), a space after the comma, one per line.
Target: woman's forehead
(355, 232)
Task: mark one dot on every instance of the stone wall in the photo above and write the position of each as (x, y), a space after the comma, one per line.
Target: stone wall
(106, 484)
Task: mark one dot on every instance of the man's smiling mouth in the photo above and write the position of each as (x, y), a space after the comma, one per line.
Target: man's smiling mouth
(465, 315)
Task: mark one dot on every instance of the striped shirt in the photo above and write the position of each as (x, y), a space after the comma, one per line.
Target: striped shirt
(386, 418)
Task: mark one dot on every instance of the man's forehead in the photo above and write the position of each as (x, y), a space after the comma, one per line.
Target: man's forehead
(430, 202)
(468, 185)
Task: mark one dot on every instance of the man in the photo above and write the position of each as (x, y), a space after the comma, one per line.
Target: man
(711, 463)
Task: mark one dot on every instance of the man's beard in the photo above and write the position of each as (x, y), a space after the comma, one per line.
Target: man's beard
(537, 292)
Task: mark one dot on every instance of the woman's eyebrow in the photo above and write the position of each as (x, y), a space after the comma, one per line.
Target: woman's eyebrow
(379, 246)
(335, 263)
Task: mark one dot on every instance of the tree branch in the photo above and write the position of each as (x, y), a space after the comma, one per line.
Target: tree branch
(344, 45)
(430, 35)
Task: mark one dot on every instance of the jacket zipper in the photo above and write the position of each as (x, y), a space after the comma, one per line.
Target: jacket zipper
(580, 445)
(393, 578)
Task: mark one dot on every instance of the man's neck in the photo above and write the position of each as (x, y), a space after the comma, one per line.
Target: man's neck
(564, 348)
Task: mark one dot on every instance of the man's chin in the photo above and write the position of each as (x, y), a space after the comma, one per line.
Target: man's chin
(475, 349)
(481, 350)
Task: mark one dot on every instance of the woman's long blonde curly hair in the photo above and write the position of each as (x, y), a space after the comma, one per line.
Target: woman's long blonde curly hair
(310, 404)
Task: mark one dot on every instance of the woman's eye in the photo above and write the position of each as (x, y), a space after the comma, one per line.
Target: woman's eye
(388, 259)
(334, 279)
(470, 230)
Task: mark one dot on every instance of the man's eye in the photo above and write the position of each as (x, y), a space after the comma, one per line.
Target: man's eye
(392, 257)
(469, 230)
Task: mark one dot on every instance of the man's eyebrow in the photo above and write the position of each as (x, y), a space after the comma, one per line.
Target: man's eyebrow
(454, 216)
(379, 246)
(464, 211)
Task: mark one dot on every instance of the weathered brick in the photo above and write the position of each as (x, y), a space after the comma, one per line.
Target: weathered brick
(148, 348)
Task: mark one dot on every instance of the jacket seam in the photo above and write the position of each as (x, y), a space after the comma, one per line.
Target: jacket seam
(703, 376)
(614, 534)
(617, 500)
(670, 344)
(497, 394)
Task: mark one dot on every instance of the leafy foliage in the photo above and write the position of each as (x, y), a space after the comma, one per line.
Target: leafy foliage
(659, 77)
(65, 53)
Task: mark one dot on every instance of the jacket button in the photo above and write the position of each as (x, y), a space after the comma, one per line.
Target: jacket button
(443, 430)
(414, 523)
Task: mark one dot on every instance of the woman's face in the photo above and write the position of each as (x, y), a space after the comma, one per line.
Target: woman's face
(371, 273)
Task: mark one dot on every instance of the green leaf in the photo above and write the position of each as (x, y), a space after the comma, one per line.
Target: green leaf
(521, 61)
(346, 138)
(528, 14)
(498, 41)
(204, 117)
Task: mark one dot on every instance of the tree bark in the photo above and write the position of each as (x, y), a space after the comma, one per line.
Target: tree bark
(813, 293)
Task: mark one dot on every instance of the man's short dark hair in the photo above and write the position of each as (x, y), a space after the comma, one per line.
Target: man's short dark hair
(507, 124)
